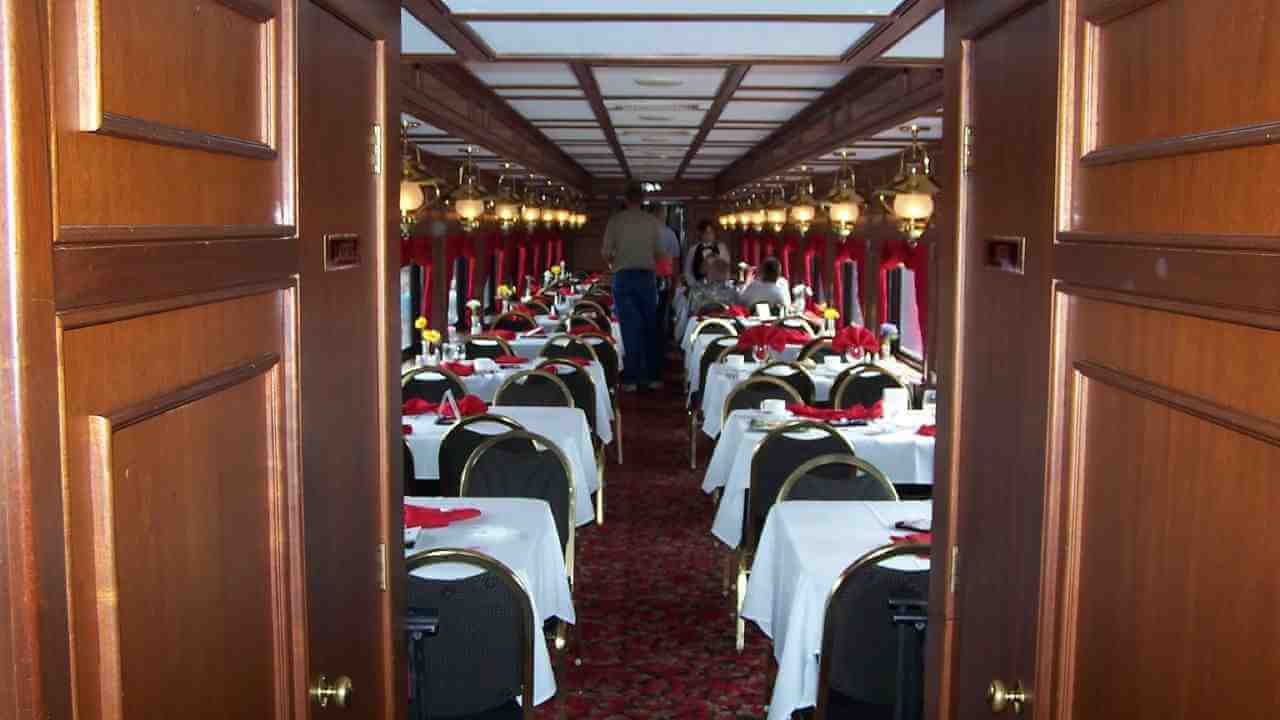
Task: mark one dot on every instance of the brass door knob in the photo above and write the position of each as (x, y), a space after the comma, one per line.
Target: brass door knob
(1003, 698)
(338, 691)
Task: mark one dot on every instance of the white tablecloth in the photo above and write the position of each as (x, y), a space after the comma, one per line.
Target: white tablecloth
(804, 548)
(693, 358)
(893, 446)
(485, 386)
(530, 346)
(566, 427)
(692, 324)
(721, 380)
(521, 534)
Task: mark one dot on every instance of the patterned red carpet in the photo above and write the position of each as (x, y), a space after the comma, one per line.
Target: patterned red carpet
(655, 633)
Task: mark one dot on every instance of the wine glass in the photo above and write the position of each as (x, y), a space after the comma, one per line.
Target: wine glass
(760, 353)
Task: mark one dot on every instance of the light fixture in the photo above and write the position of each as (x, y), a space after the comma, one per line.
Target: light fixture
(744, 213)
(468, 198)
(414, 180)
(531, 209)
(912, 190)
(757, 212)
(844, 204)
(506, 206)
(803, 207)
(776, 211)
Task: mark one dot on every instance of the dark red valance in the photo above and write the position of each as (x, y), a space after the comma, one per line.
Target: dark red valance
(854, 250)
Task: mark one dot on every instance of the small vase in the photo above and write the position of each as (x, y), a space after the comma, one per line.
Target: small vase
(829, 327)
(885, 350)
(432, 356)
(476, 329)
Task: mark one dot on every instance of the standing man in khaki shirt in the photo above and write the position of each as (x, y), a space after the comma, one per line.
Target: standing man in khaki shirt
(632, 248)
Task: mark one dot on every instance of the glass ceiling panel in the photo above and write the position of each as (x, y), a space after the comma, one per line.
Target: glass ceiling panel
(925, 41)
(574, 133)
(762, 110)
(553, 109)
(819, 76)
(524, 73)
(659, 81)
(930, 129)
(678, 7)
(416, 39)
(671, 39)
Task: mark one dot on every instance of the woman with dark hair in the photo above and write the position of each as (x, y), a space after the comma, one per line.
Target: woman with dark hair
(769, 287)
(707, 247)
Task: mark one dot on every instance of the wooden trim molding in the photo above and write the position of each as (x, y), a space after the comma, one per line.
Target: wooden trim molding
(135, 414)
(132, 128)
(251, 9)
(144, 233)
(1262, 243)
(1267, 133)
(732, 81)
(1258, 428)
(85, 317)
(587, 81)
(1101, 12)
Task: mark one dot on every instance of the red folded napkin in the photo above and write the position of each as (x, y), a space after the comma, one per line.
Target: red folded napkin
(510, 360)
(857, 412)
(469, 405)
(459, 369)
(585, 328)
(772, 336)
(663, 268)
(733, 312)
(429, 517)
(507, 335)
(928, 430)
(566, 292)
(919, 538)
(855, 338)
(416, 406)
(406, 429)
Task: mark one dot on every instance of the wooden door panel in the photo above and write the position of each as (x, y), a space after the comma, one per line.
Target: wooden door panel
(1003, 415)
(1171, 455)
(1170, 108)
(183, 570)
(133, 81)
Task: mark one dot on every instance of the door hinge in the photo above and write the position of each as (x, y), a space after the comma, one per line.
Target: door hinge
(375, 148)
(954, 570)
(382, 567)
(966, 151)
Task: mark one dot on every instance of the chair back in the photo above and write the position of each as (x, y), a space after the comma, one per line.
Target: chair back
(565, 346)
(607, 353)
(412, 485)
(515, 322)
(600, 296)
(792, 374)
(589, 305)
(538, 307)
(430, 383)
(817, 349)
(733, 349)
(710, 356)
(581, 387)
(576, 324)
(485, 346)
(713, 326)
(781, 451)
(708, 308)
(756, 389)
(858, 640)
(862, 385)
(536, 389)
(522, 464)
(837, 477)
(460, 440)
(481, 656)
(796, 322)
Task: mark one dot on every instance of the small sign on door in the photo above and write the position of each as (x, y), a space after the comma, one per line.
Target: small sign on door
(341, 251)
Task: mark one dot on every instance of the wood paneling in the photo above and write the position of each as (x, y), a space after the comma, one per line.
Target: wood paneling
(181, 523)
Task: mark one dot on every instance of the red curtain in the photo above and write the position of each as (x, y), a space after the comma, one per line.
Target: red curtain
(854, 250)
(770, 248)
(416, 250)
(537, 241)
(814, 246)
(789, 245)
(522, 258)
(898, 253)
(460, 246)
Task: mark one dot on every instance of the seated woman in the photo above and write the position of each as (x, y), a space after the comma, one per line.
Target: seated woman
(716, 287)
(768, 288)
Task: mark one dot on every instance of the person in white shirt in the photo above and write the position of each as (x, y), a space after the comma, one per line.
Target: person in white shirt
(707, 247)
(770, 287)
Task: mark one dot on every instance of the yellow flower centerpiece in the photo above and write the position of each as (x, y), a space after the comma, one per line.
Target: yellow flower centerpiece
(420, 323)
(830, 315)
(555, 270)
(506, 291)
(431, 337)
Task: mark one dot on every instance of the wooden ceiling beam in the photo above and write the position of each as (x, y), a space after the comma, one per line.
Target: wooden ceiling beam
(587, 81)
(450, 98)
(458, 35)
(867, 102)
(728, 86)
(869, 48)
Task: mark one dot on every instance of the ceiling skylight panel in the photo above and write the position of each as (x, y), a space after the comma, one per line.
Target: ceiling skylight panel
(729, 39)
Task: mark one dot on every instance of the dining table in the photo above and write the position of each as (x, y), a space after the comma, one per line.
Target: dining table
(895, 446)
(530, 346)
(805, 547)
(485, 384)
(565, 427)
(521, 534)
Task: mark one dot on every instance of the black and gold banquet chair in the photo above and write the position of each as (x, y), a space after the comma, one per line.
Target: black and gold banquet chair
(583, 390)
(796, 322)
(862, 385)
(710, 356)
(607, 354)
(817, 349)
(480, 658)
(782, 450)
(566, 346)
(514, 322)
(793, 374)
(872, 614)
(756, 389)
(430, 383)
(461, 439)
(837, 477)
(533, 389)
(485, 346)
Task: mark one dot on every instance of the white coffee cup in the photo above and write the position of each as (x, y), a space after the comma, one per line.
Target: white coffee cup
(896, 401)
(763, 311)
(773, 407)
(735, 361)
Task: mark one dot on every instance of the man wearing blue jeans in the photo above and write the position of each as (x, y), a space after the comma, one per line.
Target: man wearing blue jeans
(632, 248)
